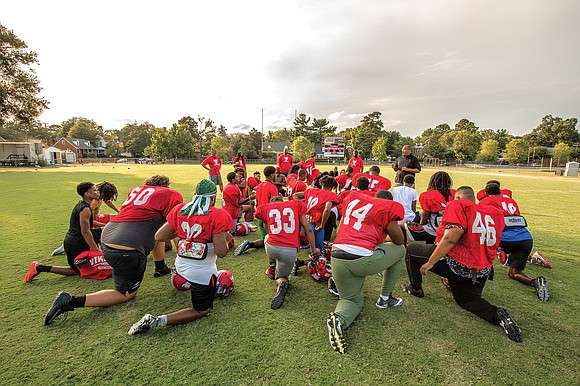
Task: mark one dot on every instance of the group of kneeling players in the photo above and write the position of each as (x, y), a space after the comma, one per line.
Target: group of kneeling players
(376, 235)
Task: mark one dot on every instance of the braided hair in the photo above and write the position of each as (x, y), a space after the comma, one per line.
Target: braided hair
(108, 191)
(442, 182)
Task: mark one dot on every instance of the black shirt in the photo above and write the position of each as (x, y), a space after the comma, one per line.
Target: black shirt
(74, 231)
(409, 161)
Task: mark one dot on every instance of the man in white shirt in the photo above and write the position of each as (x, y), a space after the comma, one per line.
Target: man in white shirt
(407, 196)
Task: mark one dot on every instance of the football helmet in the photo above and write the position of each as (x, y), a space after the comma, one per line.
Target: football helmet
(242, 229)
(179, 281)
(319, 269)
(225, 284)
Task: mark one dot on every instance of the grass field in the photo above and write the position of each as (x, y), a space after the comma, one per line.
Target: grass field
(243, 341)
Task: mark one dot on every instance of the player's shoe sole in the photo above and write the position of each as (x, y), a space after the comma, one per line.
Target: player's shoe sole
(278, 299)
(390, 302)
(335, 337)
(61, 304)
(58, 251)
(408, 288)
(243, 247)
(143, 325)
(32, 272)
(541, 288)
(509, 325)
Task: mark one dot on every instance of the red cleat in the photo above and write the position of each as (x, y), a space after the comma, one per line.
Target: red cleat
(539, 259)
(502, 257)
(32, 272)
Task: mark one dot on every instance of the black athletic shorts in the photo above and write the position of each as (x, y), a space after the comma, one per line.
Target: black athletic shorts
(128, 268)
(74, 247)
(518, 252)
(202, 295)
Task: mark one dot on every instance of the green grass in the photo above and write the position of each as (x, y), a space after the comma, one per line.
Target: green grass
(242, 341)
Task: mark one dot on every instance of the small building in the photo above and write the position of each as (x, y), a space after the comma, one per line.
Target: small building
(22, 152)
(277, 147)
(54, 156)
(83, 148)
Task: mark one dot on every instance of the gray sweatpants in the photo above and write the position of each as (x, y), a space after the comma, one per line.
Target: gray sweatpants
(285, 256)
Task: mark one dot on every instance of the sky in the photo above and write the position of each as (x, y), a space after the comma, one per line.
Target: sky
(500, 64)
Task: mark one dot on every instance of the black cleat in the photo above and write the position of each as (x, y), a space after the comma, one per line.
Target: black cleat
(61, 304)
(509, 325)
(408, 288)
(162, 272)
(539, 284)
(278, 299)
(335, 337)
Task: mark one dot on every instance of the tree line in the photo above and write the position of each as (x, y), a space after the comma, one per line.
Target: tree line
(192, 137)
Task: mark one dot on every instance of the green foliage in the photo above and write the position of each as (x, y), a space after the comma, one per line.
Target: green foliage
(364, 135)
(201, 130)
(489, 150)
(85, 129)
(19, 85)
(173, 143)
(381, 149)
(314, 132)
(237, 342)
(562, 151)
(283, 135)
(553, 130)
(435, 147)
(135, 137)
(301, 124)
(223, 147)
(302, 148)
(516, 151)
(466, 143)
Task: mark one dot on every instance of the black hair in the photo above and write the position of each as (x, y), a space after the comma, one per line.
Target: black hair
(83, 187)
(239, 170)
(269, 170)
(375, 169)
(384, 194)
(107, 191)
(328, 182)
(492, 189)
(349, 169)
(442, 182)
(493, 182)
(466, 191)
(231, 176)
(294, 169)
(362, 183)
(409, 179)
(257, 172)
(302, 172)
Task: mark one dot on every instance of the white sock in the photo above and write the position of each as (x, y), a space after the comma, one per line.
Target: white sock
(161, 321)
(385, 297)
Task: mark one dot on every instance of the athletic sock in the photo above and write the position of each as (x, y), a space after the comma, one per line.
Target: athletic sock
(272, 264)
(159, 265)
(161, 321)
(251, 244)
(301, 262)
(78, 301)
(385, 297)
(43, 268)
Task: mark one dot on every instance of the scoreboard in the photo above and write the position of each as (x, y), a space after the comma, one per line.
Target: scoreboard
(333, 147)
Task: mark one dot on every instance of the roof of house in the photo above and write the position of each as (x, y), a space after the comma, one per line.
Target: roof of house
(82, 144)
(278, 147)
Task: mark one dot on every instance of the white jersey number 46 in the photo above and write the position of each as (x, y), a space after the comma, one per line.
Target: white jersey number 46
(485, 229)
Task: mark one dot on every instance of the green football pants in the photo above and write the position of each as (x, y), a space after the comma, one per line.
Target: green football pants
(349, 277)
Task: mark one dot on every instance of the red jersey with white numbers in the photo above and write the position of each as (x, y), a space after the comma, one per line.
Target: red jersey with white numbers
(285, 162)
(376, 183)
(504, 192)
(294, 185)
(342, 180)
(357, 165)
(506, 204)
(316, 200)
(200, 229)
(231, 198)
(365, 220)
(214, 163)
(282, 221)
(482, 225)
(265, 191)
(147, 202)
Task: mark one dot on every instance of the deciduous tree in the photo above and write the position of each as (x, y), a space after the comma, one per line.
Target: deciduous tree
(516, 151)
(488, 152)
(302, 148)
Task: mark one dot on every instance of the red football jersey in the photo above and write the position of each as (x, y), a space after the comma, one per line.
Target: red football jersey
(239, 162)
(433, 201)
(357, 165)
(285, 162)
(200, 229)
(214, 163)
(316, 200)
(147, 202)
(365, 220)
(294, 185)
(507, 205)
(103, 218)
(482, 225)
(265, 191)
(481, 194)
(342, 180)
(252, 182)
(282, 221)
(95, 266)
(231, 198)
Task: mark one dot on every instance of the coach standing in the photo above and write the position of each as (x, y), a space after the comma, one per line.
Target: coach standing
(406, 164)
(213, 164)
